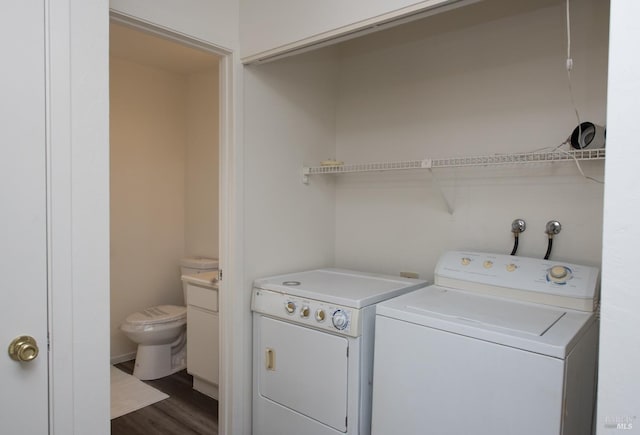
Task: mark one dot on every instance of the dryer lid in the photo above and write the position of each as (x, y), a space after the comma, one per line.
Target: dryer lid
(158, 314)
(340, 286)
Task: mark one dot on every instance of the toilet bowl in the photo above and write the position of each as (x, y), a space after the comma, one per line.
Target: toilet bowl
(160, 333)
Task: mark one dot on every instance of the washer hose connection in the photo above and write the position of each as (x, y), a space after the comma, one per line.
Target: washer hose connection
(553, 228)
(517, 226)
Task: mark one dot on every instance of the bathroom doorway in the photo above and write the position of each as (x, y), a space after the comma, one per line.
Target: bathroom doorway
(165, 147)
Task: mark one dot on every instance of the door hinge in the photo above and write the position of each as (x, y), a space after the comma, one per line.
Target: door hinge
(347, 352)
(345, 421)
(220, 275)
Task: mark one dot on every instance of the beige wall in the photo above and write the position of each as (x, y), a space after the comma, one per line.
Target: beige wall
(164, 173)
(148, 131)
(201, 182)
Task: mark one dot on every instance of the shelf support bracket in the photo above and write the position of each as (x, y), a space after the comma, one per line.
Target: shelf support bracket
(441, 191)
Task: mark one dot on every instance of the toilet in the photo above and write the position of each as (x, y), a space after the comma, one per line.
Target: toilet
(160, 331)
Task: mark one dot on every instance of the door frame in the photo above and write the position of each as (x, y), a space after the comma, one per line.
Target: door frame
(77, 182)
(229, 252)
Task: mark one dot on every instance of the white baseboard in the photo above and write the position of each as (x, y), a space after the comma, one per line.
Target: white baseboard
(206, 388)
(122, 358)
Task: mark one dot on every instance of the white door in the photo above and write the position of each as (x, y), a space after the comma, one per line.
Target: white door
(23, 267)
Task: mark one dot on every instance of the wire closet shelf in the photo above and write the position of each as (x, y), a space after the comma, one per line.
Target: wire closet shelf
(456, 162)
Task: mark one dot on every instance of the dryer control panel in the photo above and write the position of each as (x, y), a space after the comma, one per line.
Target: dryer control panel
(309, 312)
(530, 279)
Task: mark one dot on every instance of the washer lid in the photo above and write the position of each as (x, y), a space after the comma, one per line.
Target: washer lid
(534, 320)
(158, 314)
(533, 327)
(338, 286)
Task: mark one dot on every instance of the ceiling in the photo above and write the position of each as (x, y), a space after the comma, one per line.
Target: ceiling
(152, 50)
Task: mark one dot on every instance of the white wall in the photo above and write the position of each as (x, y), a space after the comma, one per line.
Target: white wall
(487, 78)
(619, 383)
(289, 122)
(201, 171)
(214, 21)
(279, 26)
(148, 143)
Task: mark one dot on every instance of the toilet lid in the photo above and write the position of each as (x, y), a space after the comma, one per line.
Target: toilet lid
(158, 314)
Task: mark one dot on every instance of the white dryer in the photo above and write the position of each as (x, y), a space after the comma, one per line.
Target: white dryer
(313, 335)
(473, 355)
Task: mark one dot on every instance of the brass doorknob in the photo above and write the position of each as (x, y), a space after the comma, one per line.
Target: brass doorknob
(23, 348)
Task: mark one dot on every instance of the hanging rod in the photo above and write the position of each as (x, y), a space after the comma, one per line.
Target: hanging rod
(457, 162)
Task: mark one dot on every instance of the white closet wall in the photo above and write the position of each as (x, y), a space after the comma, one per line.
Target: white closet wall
(487, 78)
(289, 121)
(278, 26)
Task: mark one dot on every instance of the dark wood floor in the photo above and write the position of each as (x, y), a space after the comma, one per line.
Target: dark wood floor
(185, 412)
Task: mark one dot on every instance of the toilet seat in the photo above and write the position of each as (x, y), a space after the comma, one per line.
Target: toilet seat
(157, 315)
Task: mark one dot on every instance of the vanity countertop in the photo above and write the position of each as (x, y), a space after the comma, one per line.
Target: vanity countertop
(208, 279)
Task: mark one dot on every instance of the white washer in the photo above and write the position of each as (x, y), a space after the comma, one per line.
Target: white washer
(455, 359)
(313, 335)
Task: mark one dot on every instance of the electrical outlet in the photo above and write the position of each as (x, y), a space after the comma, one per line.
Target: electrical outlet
(409, 275)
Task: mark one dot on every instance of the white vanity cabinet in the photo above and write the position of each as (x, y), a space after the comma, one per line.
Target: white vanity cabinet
(282, 26)
(203, 332)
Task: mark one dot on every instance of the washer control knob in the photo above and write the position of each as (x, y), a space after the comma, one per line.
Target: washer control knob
(304, 311)
(320, 315)
(340, 320)
(559, 274)
(465, 261)
(511, 267)
(290, 306)
(487, 264)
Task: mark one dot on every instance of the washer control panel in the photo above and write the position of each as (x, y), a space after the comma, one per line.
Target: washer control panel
(309, 312)
(536, 280)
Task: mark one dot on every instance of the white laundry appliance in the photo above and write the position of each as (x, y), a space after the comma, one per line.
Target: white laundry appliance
(313, 336)
(499, 345)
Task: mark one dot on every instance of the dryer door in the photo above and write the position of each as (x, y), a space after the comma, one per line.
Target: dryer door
(304, 370)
